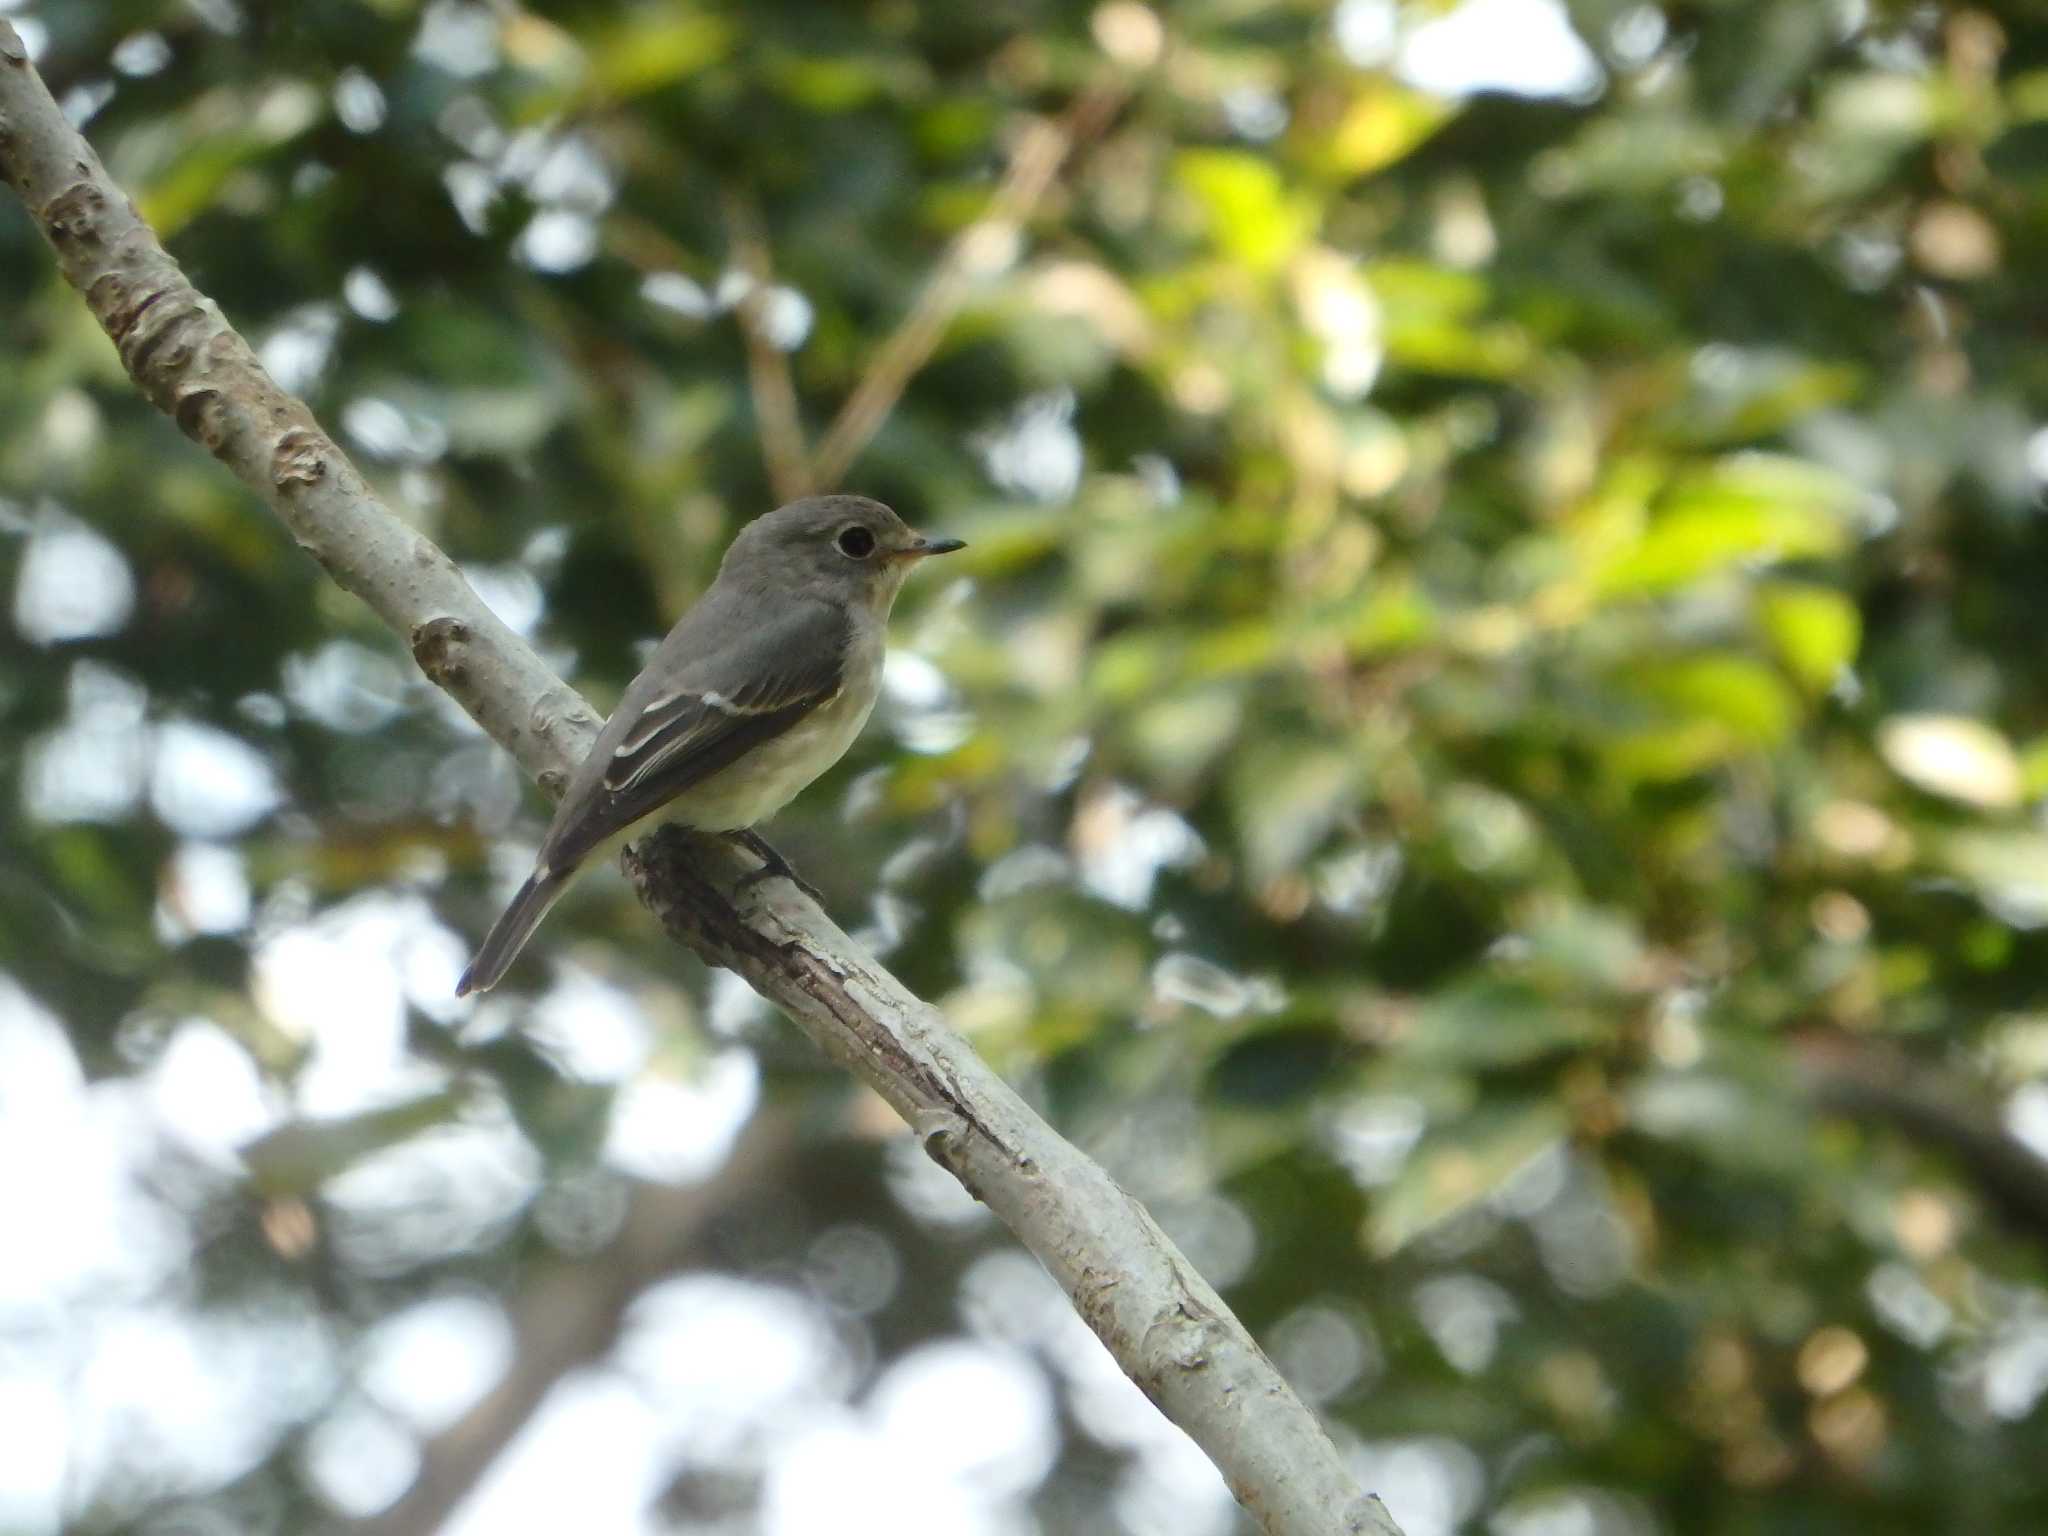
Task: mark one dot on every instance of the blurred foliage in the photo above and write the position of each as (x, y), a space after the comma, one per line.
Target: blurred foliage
(1500, 635)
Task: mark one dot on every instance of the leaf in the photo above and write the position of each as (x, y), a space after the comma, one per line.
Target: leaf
(1741, 1125)
(1641, 155)
(1249, 213)
(1493, 1022)
(1395, 616)
(1458, 1166)
(1481, 351)
(1139, 662)
(1765, 392)
(1815, 630)
(1235, 650)
(1663, 754)
(1415, 289)
(1751, 508)
(1735, 692)
(1888, 107)
(217, 138)
(1383, 123)
(830, 84)
(1181, 734)
(1288, 796)
(1486, 831)
(1588, 947)
(656, 48)
(1430, 321)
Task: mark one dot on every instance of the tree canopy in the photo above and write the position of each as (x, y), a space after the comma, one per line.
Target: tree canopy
(1486, 756)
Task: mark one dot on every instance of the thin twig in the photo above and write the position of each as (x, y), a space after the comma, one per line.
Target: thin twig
(783, 451)
(1042, 149)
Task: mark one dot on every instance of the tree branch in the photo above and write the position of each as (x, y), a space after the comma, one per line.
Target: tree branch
(1936, 1110)
(1042, 149)
(1167, 1328)
(783, 452)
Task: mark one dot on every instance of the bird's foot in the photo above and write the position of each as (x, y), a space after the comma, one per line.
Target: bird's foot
(773, 865)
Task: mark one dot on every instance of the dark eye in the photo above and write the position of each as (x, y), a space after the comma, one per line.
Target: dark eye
(856, 543)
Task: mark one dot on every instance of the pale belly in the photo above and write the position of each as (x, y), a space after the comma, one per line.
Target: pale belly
(777, 771)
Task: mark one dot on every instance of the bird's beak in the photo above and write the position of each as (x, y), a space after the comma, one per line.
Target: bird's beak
(926, 546)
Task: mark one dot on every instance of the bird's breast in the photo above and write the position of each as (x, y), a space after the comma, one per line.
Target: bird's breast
(774, 773)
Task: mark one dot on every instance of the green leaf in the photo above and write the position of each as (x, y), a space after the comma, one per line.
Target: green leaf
(1751, 508)
(2034, 768)
(1430, 321)
(1815, 630)
(1416, 290)
(1180, 735)
(1756, 393)
(1493, 1022)
(1395, 616)
(1251, 217)
(1383, 123)
(1458, 1166)
(656, 48)
(1738, 693)
(1749, 1126)
(217, 138)
(1588, 947)
(1664, 754)
(829, 84)
(1288, 796)
(1235, 650)
(1888, 107)
(1127, 666)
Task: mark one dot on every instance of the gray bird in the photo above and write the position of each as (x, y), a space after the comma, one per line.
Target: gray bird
(760, 687)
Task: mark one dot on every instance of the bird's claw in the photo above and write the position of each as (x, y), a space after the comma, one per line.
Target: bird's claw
(773, 865)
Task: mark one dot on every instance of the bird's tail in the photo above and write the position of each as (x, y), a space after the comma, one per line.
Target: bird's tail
(513, 928)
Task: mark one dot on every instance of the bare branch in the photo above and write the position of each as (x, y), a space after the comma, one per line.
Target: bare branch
(1041, 150)
(1936, 1110)
(783, 451)
(1167, 1328)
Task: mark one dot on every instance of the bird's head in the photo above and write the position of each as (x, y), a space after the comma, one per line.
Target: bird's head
(845, 548)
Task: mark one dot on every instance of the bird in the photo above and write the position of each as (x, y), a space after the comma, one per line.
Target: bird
(761, 686)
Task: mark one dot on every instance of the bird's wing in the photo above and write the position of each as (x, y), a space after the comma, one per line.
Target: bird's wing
(702, 715)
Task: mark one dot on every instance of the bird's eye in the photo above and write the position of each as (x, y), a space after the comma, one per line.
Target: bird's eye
(856, 543)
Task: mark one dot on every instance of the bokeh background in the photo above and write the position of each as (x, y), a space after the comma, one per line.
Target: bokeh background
(1487, 758)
